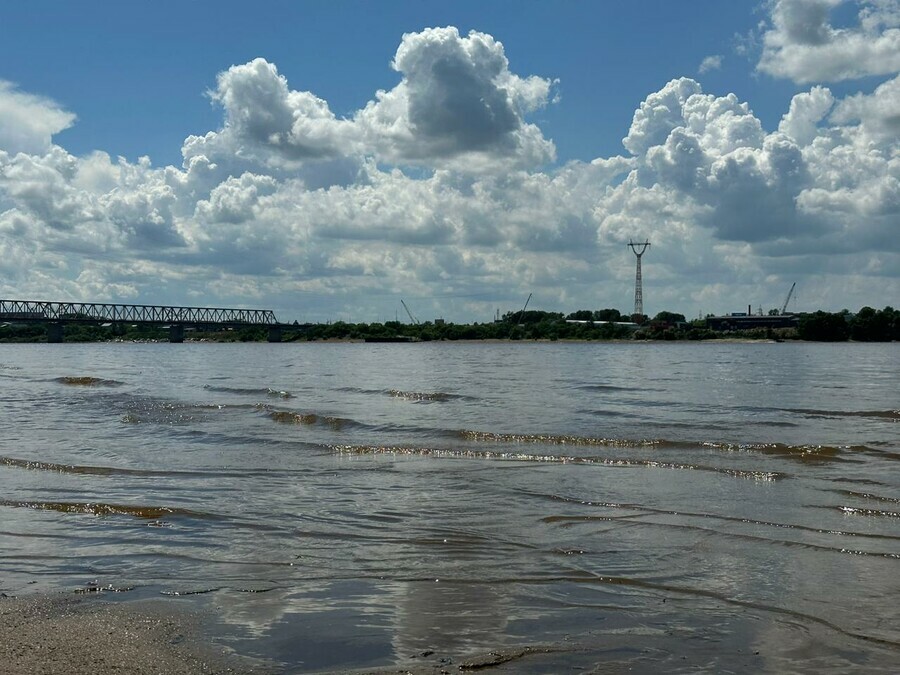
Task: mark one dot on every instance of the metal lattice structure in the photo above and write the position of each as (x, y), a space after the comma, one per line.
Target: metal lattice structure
(638, 284)
(93, 312)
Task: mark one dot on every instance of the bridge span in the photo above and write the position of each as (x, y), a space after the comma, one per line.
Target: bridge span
(57, 314)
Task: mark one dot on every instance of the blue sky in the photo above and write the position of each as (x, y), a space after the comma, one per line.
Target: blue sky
(464, 188)
(135, 73)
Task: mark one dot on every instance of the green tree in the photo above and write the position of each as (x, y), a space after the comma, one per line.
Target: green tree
(669, 317)
(608, 315)
(824, 327)
(870, 325)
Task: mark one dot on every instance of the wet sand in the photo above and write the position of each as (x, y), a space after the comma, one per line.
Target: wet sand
(59, 634)
(64, 635)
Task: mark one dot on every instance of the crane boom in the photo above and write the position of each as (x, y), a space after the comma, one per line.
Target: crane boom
(788, 298)
(512, 330)
(411, 317)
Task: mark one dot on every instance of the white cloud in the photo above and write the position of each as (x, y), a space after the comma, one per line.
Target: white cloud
(710, 63)
(288, 206)
(28, 122)
(457, 105)
(812, 186)
(878, 113)
(801, 43)
(268, 123)
(806, 111)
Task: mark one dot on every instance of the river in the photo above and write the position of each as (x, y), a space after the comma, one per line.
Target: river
(656, 506)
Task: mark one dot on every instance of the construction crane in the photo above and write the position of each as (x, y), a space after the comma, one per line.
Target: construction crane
(411, 317)
(788, 298)
(521, 314)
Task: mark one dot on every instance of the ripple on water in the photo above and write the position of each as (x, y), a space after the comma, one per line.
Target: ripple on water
(550, 459)
(414, 396)
(251, 391)
(87, 381)
(104, 509)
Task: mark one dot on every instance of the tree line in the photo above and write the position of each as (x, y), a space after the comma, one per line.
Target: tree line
(867, 325)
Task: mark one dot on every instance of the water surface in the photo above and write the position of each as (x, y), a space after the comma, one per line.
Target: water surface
(678, 506)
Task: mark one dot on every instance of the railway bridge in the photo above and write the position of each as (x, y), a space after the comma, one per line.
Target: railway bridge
(56, 315)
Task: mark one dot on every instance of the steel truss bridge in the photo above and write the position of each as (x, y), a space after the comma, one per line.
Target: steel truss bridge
(57, 314)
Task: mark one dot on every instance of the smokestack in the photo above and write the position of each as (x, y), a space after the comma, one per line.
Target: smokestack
(749, 310)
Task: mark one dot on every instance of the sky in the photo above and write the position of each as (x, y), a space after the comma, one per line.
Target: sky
(325, 160)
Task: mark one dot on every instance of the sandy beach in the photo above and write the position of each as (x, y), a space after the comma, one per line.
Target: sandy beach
(66, 635)
(61, 634)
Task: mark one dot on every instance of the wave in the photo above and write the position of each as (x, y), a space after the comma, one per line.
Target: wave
(164, 412)
(415, 396)
(251, 391)
(565, 521)
(309, 419)
(430, 397)
(884, 414)
(610, 387)
(94, 587)
(140, 410)
(868, 495)
(87, 381)
(286, 417)
(216, 589)
(104, 509)
(640, 509)
(199, 591)
(855, 511)
(801, 452)
(77, 469)
(556, 439)
(553, 459)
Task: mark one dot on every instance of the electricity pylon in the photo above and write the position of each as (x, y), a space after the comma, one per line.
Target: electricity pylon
(638, 286)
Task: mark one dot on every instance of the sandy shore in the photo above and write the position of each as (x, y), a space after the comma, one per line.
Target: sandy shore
(65, 635)
(61, 634)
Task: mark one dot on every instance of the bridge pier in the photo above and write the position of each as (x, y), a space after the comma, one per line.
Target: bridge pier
(176, 333)
(54, 332)
(118, 329)
(274, 333)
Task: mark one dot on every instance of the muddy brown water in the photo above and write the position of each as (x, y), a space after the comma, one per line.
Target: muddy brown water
(721, 507)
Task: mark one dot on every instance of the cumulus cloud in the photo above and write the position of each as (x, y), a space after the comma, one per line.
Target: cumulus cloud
(457, 100)
(878, 113)
(805, 113)
(28, 122)
(807, 183)
(437, 189)
(268, 123)
(457, 104)
(801, 43)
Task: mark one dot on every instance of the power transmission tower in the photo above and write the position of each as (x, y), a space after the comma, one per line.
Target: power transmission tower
(638, 287)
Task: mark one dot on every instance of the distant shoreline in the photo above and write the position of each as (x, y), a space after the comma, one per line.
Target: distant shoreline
(707, 341)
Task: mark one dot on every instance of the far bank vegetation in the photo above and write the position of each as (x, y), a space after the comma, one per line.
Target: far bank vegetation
(866, 325)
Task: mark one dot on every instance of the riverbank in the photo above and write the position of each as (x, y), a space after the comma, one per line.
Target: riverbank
(60, 634)
(65, 635)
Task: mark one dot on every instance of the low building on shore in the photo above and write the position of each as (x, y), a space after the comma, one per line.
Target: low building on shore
(742, 321)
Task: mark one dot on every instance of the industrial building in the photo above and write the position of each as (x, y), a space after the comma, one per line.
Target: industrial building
(742, 321)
